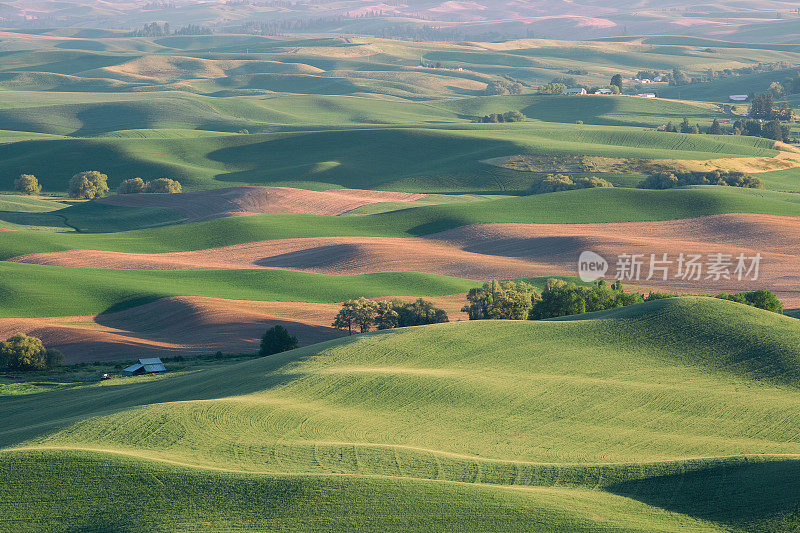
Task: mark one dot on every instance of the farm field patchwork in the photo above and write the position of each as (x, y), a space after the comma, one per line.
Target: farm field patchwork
(320, 168)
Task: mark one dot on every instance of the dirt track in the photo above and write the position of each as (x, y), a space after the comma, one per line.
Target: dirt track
(205, 205)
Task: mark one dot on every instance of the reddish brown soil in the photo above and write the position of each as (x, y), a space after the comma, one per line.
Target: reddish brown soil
(204, 205)
(185, 326)
(487, 251)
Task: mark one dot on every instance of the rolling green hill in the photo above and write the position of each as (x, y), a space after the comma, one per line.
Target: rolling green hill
(412, 159)
(42, 291)
(579, 206)
(670, 415)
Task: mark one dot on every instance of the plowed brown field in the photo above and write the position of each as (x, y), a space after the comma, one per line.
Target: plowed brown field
(204, 205)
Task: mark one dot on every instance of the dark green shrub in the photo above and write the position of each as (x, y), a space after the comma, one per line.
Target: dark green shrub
(276, 340)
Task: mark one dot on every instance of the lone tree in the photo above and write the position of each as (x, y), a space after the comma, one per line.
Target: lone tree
(88, 185)
(276, 340)
(716, 128)
(163, 185)
(21, 352)
(132, 186)
(27, 184)
(616, 80)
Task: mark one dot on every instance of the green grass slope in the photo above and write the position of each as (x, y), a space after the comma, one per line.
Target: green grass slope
(35, 290)
(579, 206)
(430, 159)
(107, 491)
(687, 408)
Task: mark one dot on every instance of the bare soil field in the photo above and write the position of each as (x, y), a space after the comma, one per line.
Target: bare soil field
(187, 325)
(501, 251)
(204, 205)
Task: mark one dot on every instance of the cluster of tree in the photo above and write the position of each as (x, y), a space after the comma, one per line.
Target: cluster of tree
(773, 129)
(651, 75)
(566, 80)
(552, 88)
(763, 107)
(565, 299)
(578, 71)
(138, 186)
(88, 185)
(502, 88)
(671, 180)
(561, 182)
(501, 300)
(158, 4)
(508, 116)
(92, 184)
(365, 314)
(276, 340)
(156, 29)
(761, 299)
(515, 300)
(684, 127)
(21, 352)
(616, 81)
(679, 77)
(27, 184)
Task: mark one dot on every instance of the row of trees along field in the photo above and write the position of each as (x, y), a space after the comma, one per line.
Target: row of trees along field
(93, 184)
(773, 129)
(364, 314)
(517, 300)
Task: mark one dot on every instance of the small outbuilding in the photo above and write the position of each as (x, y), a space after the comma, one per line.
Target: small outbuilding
(145, 366)
(646, 95)
(604, 91)
(574, 91)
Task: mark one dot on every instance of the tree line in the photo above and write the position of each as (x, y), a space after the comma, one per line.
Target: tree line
(363, 314)
(518, 300)
(773, 129)
(495, 118)
(671, 180)
(157, 29)
(92, 184)
(562, 182)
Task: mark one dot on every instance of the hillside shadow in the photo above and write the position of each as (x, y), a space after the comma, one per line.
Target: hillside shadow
(757, 496)
(317, 257)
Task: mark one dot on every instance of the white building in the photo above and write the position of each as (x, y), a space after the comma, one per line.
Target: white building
(604, 91)
(738, 97)
(575, 91)
(646, 95)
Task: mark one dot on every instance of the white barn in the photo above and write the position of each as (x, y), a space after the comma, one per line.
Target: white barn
(574, 91)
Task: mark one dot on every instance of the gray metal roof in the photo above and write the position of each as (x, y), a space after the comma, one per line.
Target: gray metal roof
(152, 364)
